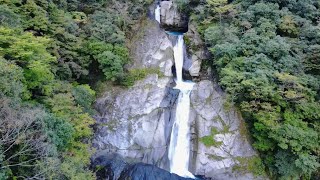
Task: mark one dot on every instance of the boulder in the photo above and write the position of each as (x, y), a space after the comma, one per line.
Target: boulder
(172, 19)
(114, 167)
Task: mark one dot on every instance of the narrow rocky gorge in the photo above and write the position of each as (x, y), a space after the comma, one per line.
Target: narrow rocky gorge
(135, 123)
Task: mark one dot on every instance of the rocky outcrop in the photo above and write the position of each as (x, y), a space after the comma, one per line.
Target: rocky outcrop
(219, 135)
(135, 122)
(151, 48)
(196, 51)
(172, 19)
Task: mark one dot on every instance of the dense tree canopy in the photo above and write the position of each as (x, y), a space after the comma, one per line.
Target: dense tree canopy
(266, 53)
(49, 50)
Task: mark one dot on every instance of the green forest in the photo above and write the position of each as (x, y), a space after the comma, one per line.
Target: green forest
(49, 53)
(54, 53)
(266, 54)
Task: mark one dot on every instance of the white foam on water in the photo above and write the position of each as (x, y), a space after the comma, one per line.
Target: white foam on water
(179, 148)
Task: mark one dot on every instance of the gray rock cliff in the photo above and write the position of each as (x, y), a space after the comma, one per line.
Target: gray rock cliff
(219, 135)
(172, 19)
(136, 122)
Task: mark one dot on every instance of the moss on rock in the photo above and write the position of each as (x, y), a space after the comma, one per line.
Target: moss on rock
(209, 140)
(138, 74)
(251, 164)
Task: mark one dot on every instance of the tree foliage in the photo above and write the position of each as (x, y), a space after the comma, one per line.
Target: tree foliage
(266, 56)
(49, 50)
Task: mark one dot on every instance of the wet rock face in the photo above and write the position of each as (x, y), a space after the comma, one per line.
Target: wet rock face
(113, 167)
(172, 19)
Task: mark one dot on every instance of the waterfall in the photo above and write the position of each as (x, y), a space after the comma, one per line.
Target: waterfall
(157, 13)
(178, 56)
(180, 137)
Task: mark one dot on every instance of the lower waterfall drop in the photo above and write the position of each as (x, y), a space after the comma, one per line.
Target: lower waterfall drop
(179, 148)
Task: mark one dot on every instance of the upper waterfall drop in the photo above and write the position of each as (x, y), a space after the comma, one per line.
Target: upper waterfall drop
(178, 56)
(179, 148)
(157, 13)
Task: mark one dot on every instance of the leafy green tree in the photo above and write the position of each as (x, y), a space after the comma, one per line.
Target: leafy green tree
(77, 154)
(84, 96)
(31, 54)
(104, 26)
(111, 58)
(34, 16)
(12, 81)
(183, 6)
(111, 65)
(59, 131)
(289, 26)
(219, 7)
(8, 17)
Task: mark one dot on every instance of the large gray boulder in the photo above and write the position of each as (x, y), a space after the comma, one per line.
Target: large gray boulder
(172, 19)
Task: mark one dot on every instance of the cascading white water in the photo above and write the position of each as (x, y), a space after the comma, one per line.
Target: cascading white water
(178, 57)
(157, 13)
(180, 137)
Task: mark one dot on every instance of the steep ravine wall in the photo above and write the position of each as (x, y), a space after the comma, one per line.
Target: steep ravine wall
(219, 138)
(136, 122)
